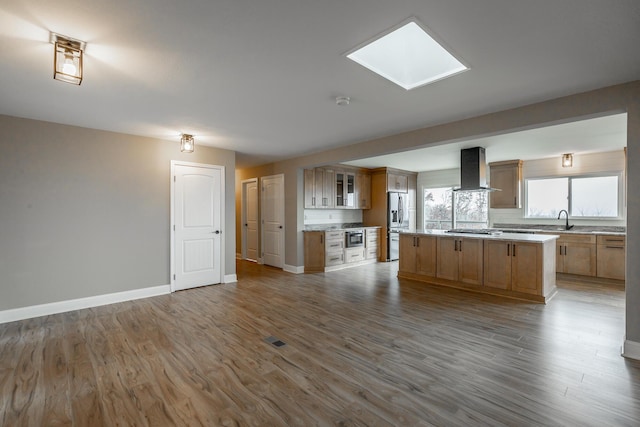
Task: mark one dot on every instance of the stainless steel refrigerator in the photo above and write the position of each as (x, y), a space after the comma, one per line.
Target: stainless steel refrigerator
(397, 221)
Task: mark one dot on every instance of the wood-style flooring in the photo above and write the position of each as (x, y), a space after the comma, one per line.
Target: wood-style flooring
(362, 348)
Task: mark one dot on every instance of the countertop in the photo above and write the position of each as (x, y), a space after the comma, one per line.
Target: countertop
(338, 227)
(517, 237)
(559, 229)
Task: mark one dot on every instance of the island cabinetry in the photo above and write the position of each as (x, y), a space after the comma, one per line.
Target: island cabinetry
(515, 266)
(418, 254)
(576, 254)
(611, 257)
(507, 176)
(460, 259)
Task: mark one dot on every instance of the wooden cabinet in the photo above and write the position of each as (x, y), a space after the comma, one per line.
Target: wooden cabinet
(314, 251)
(418, 254)
(515, 266)
(576, 254)
(610, 255)
(345, 189)
(397, 182)
(319, 188)
(363, 191)
(371, 243)
(506, 176)
(460, 259)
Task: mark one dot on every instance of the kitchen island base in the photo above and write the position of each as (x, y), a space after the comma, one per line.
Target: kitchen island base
(507, 265)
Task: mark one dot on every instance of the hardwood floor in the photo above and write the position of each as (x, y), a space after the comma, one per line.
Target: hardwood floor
(362, 348)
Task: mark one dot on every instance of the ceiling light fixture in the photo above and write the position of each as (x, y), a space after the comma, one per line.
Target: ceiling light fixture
(187, 143)
(67, 58)
(342, 100)
(567, 160)
(408, 56)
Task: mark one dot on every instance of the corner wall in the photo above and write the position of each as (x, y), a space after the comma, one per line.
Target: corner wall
(85, 213)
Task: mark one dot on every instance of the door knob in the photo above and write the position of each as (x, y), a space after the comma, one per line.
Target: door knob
(280, 226)
(217, 232)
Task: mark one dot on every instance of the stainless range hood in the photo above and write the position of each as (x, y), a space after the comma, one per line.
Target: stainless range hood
(473, 170)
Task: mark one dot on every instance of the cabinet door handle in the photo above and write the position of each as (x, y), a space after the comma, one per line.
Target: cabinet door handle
(508, 249)
(614, 247)
(460, 245)
(514, 249)
(455, 246)
(313, 201)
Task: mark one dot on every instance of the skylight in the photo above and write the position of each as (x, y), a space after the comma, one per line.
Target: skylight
(408, 56)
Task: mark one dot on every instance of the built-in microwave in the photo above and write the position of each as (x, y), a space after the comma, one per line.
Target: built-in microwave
(354, 238)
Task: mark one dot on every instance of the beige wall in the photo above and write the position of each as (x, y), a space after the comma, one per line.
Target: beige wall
(615, 99)
(86, 212)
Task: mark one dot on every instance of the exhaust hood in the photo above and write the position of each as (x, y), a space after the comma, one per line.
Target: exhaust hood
(473, 170)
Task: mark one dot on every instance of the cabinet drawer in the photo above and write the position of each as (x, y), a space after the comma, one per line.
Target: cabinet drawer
(354, 255)
(576, 238)
(334, 245)
(336, 258)
(372, 252)
(337, 235)
(617, 241)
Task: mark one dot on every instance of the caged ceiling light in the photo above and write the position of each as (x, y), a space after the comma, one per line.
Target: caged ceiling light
(567, 160)
(187, 143)
(67, 59)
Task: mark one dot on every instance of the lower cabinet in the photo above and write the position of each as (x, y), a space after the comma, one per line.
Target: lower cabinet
(514, 266)
(460, 259)
(418, 254)
(314, 251)
(576, 254)
(611, 257)
(372, 243)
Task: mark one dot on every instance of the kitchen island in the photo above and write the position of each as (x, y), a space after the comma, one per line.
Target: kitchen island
(514, 265)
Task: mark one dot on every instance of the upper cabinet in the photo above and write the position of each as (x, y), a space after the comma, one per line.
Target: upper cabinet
(336, 188)
(506, 176)
(319, 188)
(397, 182)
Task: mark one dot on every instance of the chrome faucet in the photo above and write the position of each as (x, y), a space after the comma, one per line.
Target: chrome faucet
(566, 224)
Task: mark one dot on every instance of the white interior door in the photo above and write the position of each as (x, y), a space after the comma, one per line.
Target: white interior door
(197, 213)
(250, 216)
(273, 220)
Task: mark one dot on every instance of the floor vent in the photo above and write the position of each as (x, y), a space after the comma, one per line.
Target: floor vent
(275, 341)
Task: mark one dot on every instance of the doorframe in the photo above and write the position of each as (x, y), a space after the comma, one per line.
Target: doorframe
(243, 218)
(280, 176)
(223, 208)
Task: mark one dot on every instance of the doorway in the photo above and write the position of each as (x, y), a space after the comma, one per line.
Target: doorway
(250, 218)
(197, 218)
(272, 218)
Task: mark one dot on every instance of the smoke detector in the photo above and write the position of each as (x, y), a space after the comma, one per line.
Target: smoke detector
(342, 100)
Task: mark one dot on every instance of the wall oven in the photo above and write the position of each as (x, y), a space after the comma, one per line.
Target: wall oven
(354, 238)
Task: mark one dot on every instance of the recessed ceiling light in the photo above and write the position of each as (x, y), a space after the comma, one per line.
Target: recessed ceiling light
(408, 56)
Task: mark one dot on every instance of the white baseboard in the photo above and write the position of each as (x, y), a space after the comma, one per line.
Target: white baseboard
(293, 269)
(230, 278)
(631, 350)
(77, 304)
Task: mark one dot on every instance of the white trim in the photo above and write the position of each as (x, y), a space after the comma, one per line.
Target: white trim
(223, 208)
(230, 278)
(80, 303)
(631, 350)
(293, 269)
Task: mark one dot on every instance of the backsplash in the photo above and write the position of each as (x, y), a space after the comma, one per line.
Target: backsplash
(332, 216)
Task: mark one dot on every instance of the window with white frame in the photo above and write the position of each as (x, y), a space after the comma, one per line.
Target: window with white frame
(592, 196)
(445, 209)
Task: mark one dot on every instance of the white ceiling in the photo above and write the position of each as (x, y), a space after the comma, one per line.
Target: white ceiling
(582, 137)
(260, 77)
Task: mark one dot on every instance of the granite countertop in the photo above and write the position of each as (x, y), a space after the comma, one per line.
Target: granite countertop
(559, 229)
(518, 237)
(336, 227)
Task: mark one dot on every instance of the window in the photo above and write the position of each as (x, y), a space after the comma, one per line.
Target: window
(581, 196)
(445, 209)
